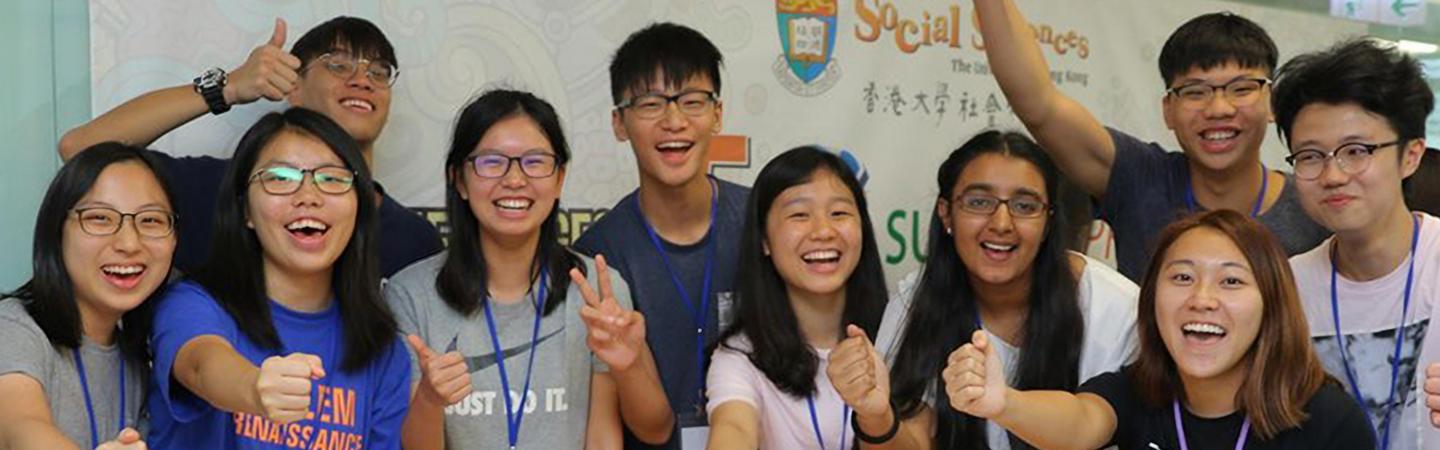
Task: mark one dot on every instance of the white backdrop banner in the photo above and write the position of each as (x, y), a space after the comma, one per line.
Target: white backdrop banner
(897, 84)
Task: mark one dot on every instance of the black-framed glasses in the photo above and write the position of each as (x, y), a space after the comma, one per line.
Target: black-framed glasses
(106, 221)
(492, 165)
(652, 106)
(344, 65)
(1353, 158)
(286, 180)
(1240, 92)
(1024, 207)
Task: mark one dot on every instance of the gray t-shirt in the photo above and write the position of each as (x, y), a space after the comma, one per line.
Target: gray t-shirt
(559, 397)
(25, 350)
(1147, 190)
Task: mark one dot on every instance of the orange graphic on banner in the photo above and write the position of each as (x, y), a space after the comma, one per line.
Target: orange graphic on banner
(822, 7)
(333, 406)
(728, 151)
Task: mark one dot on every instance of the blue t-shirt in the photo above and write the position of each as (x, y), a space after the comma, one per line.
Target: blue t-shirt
(669, 329)
(405, 237)
(352, 410)
(1146, 192)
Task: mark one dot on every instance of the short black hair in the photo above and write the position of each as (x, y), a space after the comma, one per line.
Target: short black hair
(1213, 40)
(677, 51)
(235, 273)
(462, 281)
(49, 296)
(360, 36)
(1381, 79)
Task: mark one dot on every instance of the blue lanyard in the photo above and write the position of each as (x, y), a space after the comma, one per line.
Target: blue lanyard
(90, 407)
(697, 316)
(1259, 199)
(815, 423)
(1180, 430)
(514, 415)
(1384, 437)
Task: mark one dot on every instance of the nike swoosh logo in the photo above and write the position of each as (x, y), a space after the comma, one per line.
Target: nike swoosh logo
(482, 362)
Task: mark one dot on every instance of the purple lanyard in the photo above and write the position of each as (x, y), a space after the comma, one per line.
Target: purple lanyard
(697, 315)
(515, 414)
(1383, 437)
(815, 423)
(1180, 430)
(90, 407)
(1259, 199)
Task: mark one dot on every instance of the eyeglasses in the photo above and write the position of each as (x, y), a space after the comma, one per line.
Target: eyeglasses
(285, 180)
(652, 106)
(1024, 207)
(1241, 92)
(344, 65)
(103, 221)
(490, 165)
(1353, 158)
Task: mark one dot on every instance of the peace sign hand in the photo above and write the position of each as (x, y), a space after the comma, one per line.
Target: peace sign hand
(617, 335)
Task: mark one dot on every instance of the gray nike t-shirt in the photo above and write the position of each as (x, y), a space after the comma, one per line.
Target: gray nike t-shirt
(559, 397)
(25, 350)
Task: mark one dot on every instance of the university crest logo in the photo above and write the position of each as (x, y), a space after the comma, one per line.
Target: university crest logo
(807, 35)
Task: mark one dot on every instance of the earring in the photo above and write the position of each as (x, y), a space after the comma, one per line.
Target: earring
(947, 231)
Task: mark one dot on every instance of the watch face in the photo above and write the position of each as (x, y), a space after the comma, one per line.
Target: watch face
(211, 78)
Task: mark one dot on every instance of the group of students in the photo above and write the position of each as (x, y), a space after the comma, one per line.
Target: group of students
(699, 313)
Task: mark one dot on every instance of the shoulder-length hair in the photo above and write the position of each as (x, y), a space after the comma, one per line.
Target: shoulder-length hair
(49, 296)
(462, 280)
(1283, 371)
(235, 272)
(943, 313)
(764, 314)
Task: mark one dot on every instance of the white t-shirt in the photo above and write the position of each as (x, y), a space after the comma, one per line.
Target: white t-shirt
(1369, 315)
(784, 419)
(1107, 304)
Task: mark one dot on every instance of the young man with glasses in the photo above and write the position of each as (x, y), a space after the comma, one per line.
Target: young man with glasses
(673, 239)
(344, 68)
(1216, 69)
(1354, 119)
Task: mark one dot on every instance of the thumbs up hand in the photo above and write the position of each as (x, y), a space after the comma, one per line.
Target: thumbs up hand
(859, 374)
(269, 72)
(444, 379)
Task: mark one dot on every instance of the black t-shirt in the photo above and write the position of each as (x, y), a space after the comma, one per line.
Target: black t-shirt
(1335, 422)
(405, 237)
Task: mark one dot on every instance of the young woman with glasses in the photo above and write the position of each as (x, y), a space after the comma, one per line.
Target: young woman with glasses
(73, 361)
(499, 321)
(999, 262)
(281, 339)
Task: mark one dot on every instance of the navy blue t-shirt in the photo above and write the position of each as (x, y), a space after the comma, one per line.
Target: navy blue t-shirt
(363, 409)
(669, 328)
(1147, 190)
(405, 237)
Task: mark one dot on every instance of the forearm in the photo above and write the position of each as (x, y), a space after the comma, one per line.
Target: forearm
(211, 369)
(139, 121)
(424, 427)
(33, 434)
(913, 434)
(1057, 419)
(644, 408)
(1015, 59)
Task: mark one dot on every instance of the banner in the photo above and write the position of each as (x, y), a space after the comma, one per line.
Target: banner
(895, 84)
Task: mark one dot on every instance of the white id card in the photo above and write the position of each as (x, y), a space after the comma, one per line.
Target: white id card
(694, 438)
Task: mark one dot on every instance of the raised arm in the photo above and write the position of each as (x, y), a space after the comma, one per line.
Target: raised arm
(860, 375)
(975, 384)
(26, 424)
(617, 337)
(1078, 143)
(269, 72)
(279, 389)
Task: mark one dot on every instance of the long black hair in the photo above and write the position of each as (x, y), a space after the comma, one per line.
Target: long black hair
(462, 281)
(943, 313)
(235, 273)
(49, 296)
(764, 314)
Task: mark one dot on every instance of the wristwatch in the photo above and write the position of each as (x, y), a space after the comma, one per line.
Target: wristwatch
(211, 85)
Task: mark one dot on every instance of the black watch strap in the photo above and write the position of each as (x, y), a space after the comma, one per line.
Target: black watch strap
(881, 439)
(211, 85)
